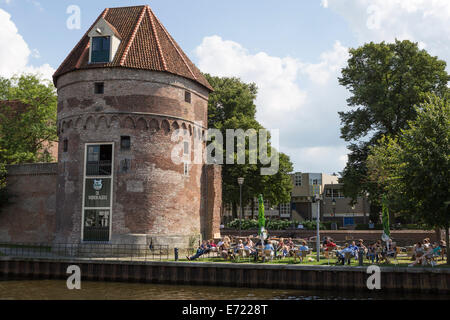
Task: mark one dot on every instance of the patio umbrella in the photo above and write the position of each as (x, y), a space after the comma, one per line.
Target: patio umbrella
(385, 219)
(261, 218)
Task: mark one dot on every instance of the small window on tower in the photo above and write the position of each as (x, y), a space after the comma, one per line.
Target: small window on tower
(186, 147)
(99, 88)
(125, 143)
(186, 169)
(187, 96)
(66, 145)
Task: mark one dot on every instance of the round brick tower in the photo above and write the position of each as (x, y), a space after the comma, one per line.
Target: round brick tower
(122, 92)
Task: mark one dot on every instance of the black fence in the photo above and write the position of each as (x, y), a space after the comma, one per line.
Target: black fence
(87, 251)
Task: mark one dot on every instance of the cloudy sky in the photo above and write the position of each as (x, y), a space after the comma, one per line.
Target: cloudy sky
(292, 49)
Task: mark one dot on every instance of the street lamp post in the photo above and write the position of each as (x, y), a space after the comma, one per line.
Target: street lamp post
(333, 203)
(318, 226)
(240, 182)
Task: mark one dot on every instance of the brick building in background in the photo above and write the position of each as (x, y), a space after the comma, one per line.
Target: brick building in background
(123, 91)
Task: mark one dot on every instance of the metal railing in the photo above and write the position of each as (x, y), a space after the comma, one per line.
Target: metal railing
(87, 251)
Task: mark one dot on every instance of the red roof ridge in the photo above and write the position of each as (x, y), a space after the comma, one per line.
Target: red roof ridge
(81, 40)
(158, 44)
(133, 36)
(173, 44)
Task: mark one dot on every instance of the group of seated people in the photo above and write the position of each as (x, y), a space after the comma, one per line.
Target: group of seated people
(424, 251)
(226, 249)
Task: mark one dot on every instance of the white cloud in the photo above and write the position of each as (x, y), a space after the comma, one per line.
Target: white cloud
(14, 51)
(327, 159)
(301, 99)
(274, 76)
(423, 21)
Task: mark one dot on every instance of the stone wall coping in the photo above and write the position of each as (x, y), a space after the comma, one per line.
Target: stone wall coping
(252, 266)
(32, 169)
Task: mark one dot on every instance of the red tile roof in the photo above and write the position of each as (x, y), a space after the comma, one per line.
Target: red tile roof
(145, 44)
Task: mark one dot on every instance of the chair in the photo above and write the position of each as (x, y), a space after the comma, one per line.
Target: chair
(242, 254)
(268, 254)
(300, 254)
(410, 253)
(347, 257)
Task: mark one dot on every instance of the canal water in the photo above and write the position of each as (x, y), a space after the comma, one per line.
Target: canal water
(57, 290)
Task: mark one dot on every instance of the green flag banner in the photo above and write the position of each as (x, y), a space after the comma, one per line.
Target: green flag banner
(385, 218)
(261, 217)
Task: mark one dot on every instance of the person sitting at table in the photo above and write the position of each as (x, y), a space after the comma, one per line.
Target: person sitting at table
(426, 244)
(212, 245)
(248, 245)
(329, 246)
(303, 246)
(290, 243)
(268, 245)
(372, 253)
(202, 249)
(224, 247)
(239, 246)
(281, 244)
(388, 251)
(418, 253)
(284, 250)
(443, 246)
(342, 253)
(354, 249)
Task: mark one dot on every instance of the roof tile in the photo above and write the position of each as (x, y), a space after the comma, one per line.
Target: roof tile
(145, 44)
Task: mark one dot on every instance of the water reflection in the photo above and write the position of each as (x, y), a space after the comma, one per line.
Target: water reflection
(57, 290)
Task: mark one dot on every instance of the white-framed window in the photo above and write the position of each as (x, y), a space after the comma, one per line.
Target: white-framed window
(285, 210)
(186, 168)
(298, 179)
(186, 147)
(334, 193)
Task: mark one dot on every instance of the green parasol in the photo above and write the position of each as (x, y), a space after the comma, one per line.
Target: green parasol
(385, 219)
(261, 218)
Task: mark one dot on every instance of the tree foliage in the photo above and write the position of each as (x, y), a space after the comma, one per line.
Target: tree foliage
(27, 133)
(232, 106)
(386, 81)
(27, 123)
(414, 168)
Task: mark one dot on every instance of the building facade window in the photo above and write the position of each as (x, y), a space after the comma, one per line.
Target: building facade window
(187, 96)
(99, 160)
(101, 47)
(125, 143)
(186, 169)
(334, 193)
(298, 179)
(99, 88)
(285, 210)
(65, 145)
(186, 147)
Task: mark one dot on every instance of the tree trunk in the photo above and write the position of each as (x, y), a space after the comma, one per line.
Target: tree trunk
(234, 210)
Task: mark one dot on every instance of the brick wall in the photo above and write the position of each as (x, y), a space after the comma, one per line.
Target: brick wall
(31, 215)
(153, 201)
(213, 199)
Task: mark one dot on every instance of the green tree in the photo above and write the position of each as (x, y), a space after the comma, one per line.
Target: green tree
(386, 81)
(232, 106)
(27, 131)
(415, 167)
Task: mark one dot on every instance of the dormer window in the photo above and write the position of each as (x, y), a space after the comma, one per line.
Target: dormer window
(101, 47)
(104, 42)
